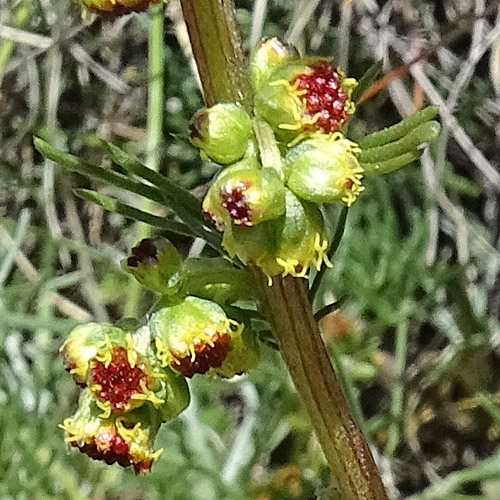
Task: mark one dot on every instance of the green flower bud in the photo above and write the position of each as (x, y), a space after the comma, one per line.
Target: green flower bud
(245, 196)
(325, 169)
(221, 132)
(304, 97)
(155, 264)
(288, 245)
(125, 439)
(193, 336)
(266, 56)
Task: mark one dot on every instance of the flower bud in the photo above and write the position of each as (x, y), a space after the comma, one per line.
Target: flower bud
(325, 169)
(155, 263)
(266, 56)
(125, 439)
(304, 97)
(193, 336)
(110, 9)
(245, 196)
(288, 245)
(221, 132)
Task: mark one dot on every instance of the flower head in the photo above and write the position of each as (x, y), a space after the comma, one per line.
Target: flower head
(290, 244)
(125, 439)
(221, 132)
(245, 195)
(155, 263)
(110, 9)
(194, 336)
(303, 97)
(119, 369)
(324, 169)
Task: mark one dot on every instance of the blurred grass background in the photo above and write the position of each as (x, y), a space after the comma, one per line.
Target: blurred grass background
(416, 341)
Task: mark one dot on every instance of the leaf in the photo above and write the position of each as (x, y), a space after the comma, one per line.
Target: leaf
(74, 164)
(113, 205)
(369, 78)
(175, 195)
(398, 130)
(427, 132)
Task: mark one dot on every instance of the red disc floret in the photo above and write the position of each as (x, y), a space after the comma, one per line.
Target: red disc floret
(235, 202)
(118, 381)
(112, 448)
(324, 97)
(206, 355)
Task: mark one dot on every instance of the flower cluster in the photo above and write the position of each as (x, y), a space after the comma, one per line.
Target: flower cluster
(277, 169)
(280, 166)
(133, 381)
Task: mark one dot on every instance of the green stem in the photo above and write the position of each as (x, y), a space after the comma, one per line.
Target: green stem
(154, 128)
(216, 47)
(397, 401)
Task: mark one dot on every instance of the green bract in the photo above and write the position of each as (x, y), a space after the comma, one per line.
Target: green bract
(325, 169)
(266, 56)
(221, 132)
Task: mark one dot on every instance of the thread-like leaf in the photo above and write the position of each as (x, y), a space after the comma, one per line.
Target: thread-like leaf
(384, 167)
(426, 132)
(74, 164)
(399, 130)
(369, 78)
(113, 205)
(174, 194)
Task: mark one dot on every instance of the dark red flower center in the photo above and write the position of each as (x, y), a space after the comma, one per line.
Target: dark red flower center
(118, 381)
(120, 10)
(206, 356)
(234, 201)
(324, 97)
(146, 252)
(112, 448)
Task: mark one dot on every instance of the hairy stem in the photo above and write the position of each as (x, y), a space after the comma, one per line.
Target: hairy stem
(216, 46)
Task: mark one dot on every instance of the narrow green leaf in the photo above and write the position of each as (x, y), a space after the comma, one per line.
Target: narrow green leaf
(175, 195)
(370, 76)
(74, 164)
(384, 167)
(399, 130)
(113, 205)
(426, 132)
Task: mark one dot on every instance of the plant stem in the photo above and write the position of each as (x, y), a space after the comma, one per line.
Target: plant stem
(154, 128)
(216, 46)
